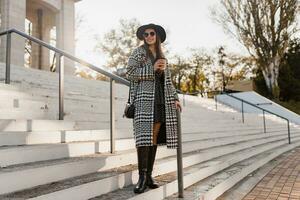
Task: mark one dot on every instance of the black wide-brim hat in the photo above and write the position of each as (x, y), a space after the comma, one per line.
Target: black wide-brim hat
(158, 29)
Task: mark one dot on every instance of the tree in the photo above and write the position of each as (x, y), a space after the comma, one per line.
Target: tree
(264, 28)
(199, 61)
(87, 73)
(245, 68)
(221, 63)
(289, 76)
(118, 43)
(178, 70)
(230, 66)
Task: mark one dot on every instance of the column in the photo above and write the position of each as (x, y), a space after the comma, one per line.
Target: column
(13, 15)
(65, 27)
(41, 26)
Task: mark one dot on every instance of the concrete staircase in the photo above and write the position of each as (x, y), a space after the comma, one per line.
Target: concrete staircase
(86, 101)
(44, 158)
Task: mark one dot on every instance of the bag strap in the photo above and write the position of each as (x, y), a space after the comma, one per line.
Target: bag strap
(129, 95)
(128, 101)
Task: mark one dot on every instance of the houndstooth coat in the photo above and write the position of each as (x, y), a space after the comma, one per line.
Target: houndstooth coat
(140, 72)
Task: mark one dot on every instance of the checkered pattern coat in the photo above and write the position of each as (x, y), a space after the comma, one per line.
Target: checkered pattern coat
(140, 72)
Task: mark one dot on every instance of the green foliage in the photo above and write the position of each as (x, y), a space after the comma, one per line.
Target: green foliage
(202, 71)
(291, 105)
(188, 73)
(289, 74)
(260, 85)
(264, 28)
(288, 80)
(118, 43)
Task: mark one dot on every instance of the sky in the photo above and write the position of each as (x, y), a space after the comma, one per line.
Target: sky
(188, 24)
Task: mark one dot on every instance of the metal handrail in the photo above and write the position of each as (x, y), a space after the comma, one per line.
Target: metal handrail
(242, 108)
(264, 111)
(247, 102)
(113, 79)
(179, 157)
(268, 103)
(67, 55)
(60, 53)
(194, 93)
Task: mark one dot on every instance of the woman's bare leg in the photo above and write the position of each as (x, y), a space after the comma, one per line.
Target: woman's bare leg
(152, 152)
(156, 127)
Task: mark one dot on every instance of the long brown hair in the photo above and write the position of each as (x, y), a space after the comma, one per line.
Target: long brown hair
(158, 49)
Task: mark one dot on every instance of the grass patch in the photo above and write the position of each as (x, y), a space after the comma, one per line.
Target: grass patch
(291, 105)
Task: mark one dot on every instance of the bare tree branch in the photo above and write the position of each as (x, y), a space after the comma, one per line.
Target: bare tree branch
(263, 27)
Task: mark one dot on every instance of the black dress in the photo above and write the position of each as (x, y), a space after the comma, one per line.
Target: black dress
(159, 96)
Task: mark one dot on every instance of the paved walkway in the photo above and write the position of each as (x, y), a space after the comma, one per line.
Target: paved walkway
(281, 183)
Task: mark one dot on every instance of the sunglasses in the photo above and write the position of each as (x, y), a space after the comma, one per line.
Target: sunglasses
(146, 34)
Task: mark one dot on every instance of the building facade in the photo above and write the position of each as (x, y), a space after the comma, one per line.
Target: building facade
(52, 21)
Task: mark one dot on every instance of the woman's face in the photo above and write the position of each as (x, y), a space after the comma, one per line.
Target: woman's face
(150, 36)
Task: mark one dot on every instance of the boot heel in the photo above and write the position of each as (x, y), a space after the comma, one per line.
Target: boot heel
(141, 185)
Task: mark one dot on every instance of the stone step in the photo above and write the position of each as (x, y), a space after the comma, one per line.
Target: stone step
(52, 137)
(15, 155)
(71, 108)
(71, 84)
(118, 178)
(23, 115)
(16, 134)
(72, 103)
(94, 94)
(88, 117)
(34, 77)
(15, 177)
(24, 103)
(97, 125)
(205, 120)
(51, 104)
(47, 80)
(214, 186)
(15, 125)
(210, 104)
(40, 78)
(51, 95)
(35, 153)
(239, 127)
(194, 173)
(103, 117)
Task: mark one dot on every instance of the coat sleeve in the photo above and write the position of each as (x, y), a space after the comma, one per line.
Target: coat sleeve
(168, 79)
(137, 69)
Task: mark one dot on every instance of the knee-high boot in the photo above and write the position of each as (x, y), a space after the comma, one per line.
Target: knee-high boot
(142, 154)
(150, 181)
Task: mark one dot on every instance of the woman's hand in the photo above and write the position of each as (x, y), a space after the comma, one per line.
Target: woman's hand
(160, 65)
(178, 106)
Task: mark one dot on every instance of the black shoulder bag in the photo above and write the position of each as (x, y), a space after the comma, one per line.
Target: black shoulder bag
(129, 108)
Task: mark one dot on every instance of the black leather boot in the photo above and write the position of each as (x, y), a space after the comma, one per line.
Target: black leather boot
(150, 181)
(142, 154)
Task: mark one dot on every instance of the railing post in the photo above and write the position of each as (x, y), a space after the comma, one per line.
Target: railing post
(8, 57)
(289, 133)
(60, 67)
(112, 115)
(179, 157)
(183, 99)
(243, 120)
(216, 101)
(264, 118)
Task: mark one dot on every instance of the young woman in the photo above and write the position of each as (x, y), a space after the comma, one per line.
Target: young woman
(155, 100)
